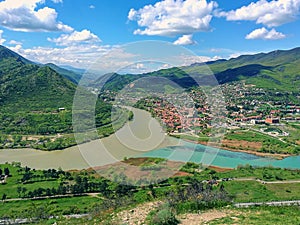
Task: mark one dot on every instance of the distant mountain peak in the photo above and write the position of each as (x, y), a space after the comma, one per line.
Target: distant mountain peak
(7, 53)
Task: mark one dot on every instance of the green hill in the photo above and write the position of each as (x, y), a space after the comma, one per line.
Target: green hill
(274, 58)
(70, 75)
(36, 104)
(30, 96)
(274, 70)
(278, 70)
(26, 86)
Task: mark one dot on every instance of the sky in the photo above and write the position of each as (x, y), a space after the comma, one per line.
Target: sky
(77, 32)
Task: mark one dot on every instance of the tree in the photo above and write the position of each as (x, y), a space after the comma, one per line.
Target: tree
(27, 169)
(26, 177)
(30, 194)
(85, 183)
(78, 179)
(48, 192)
(4, 196)
(6, 172)
(19, 190)
(24, 191)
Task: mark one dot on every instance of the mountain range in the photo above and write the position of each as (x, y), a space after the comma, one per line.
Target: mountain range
(27, 86)
(276, 70)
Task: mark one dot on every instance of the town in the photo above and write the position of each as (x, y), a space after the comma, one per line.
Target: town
(243, 109)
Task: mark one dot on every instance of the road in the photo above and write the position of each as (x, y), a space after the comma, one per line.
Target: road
(274, 203)
(268, 182)
(50, 197)
(26, 220)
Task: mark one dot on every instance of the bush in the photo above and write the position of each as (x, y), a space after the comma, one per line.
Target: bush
(163, 216)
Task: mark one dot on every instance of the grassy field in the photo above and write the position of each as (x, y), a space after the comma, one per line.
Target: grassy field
(13, 182)
(263, 173)
(268, 144)
(119, 197)
(285, 191)
(261, 215)
(253, 191)
(50, 207)
(248, 191)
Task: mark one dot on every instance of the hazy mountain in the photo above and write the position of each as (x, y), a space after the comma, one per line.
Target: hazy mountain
(70, 75)
(75, 70)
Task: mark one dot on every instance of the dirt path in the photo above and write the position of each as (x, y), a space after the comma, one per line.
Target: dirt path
(202, 218)
(137, 215)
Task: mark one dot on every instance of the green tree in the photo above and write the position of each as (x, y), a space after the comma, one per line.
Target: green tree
(6, 172)
(19, 190)
(4, 196)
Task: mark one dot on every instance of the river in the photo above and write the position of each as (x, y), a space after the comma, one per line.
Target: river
(138, 138)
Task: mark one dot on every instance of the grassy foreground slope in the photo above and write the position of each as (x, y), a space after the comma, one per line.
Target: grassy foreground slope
(40, 195)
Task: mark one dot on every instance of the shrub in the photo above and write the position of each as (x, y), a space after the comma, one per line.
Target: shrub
(163, 216)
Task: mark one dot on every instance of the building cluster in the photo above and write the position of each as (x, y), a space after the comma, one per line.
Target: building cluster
(247, 104)
(193, 111)
(177, 119)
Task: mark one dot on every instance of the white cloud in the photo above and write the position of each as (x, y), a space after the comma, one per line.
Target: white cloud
(191, 59)
(57, 1)
(81, 56)
(103, 59)
(185, 40)
(76, 37)
(270, 13)
(100, 58)
(265, 34)
(216, 50)
(92, 7)
(13, 42)
(16, 48)
(240, 53)
(23, 15)
(173, 17)
(2, 40)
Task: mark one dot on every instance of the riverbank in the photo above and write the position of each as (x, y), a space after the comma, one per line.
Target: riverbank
(278, 156)
(253, 152)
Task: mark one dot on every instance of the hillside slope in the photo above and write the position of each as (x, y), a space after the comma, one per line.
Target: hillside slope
(25, 86)
(279, 70)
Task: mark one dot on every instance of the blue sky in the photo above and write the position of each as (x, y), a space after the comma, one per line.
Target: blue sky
(75, 32)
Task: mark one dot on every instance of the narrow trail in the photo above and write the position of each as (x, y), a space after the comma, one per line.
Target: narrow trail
(202, 218)
(137, 215)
